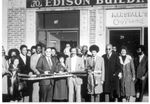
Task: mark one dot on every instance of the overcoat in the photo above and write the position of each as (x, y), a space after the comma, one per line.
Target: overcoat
(112, 69)
(95, 80)
(128, 86)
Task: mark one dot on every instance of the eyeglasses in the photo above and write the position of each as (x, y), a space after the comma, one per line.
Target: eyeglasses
(108, 48)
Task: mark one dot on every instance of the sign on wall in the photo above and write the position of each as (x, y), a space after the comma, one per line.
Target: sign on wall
(61, 3)
(127, 18)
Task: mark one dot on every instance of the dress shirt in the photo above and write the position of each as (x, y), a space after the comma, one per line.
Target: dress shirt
(73, 63)
(140, 57)
(49, 61)
(109, 55)
(23, 58)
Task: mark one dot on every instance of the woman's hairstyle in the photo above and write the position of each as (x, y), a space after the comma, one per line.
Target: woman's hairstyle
(54, 49)
(61, 55)
(94, 48)
(13, 59)
(125, 48)
(13, 50)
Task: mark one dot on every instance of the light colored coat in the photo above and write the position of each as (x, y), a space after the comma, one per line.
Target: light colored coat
(96, 77)
(128, 75)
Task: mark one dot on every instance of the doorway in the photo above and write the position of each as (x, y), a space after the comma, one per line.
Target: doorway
(56, 28)
(59, 39)
(130, 38)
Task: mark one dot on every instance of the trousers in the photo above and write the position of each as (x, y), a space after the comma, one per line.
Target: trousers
(35, 92)
(72, 84)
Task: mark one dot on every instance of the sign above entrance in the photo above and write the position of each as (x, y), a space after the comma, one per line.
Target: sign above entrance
(127, 18)
(62, 3)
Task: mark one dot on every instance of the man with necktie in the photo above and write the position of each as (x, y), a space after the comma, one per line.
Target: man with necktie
(112, 74)
(46, 65)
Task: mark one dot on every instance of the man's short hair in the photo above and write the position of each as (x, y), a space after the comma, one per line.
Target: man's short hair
(47, 48)
(141, 47)
(72, 48)
(22, 46)
(38, 45)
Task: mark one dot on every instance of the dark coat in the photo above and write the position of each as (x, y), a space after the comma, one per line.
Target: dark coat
(24, 68)
(60, 87)
(43, 66)
(112, 69)
(142, 67)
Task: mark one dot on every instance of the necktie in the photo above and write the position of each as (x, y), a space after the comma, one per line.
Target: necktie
(93, 63)
(108, 56)
(49, 62)
(84, 57)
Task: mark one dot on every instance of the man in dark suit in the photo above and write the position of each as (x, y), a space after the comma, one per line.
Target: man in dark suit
(141, 65)
(46, 65)
(112, 74)
(24, 68)
(84, 91)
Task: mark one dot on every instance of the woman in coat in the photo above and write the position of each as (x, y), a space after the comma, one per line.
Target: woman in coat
(60, 86)
(14, 81)
(96, 74)
(128, 87)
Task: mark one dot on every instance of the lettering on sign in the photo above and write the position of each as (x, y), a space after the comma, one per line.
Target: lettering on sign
(60, 3)
(127, 17)
(36, 3)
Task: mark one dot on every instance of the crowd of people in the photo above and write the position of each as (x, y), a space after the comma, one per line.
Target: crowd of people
(113, 77)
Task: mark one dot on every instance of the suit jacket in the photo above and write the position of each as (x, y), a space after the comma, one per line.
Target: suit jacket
(96, 87)
(142, 67)
(79, 67)
(112, 69)
(24, 68)
(43, 66)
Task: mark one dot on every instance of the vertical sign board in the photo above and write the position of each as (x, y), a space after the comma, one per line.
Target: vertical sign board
(127, 18)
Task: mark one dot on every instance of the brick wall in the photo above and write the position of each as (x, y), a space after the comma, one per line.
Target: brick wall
(92, 26)
(16, 27)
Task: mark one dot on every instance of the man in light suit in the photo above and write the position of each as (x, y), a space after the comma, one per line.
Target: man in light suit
(74, 64)
(46, 65)
(33, 62)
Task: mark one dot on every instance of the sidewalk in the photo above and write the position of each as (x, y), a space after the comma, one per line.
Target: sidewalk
(145, 98)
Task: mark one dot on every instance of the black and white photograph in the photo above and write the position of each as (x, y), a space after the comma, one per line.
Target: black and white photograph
(74, 51)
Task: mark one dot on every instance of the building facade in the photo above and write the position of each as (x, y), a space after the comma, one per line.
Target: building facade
(78, 22)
